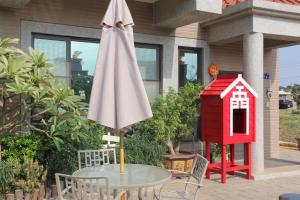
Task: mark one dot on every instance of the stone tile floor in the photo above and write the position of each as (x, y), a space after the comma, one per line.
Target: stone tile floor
(269, 188)
(238, 188)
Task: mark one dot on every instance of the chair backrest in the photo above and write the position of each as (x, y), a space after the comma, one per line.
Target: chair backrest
(64, 184)
(82, 188)
(199, 168)
(111, 140)
(91, 158)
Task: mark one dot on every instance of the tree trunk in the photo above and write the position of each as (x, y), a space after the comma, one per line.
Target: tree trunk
(170, 146)
(177, 148)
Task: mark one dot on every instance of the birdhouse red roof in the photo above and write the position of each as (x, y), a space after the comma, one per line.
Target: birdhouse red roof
(223, 84)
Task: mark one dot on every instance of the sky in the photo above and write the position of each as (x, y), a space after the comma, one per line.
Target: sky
(289, 65)
(89, 52)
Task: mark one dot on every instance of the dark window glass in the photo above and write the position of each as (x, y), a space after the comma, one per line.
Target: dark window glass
(239, 119)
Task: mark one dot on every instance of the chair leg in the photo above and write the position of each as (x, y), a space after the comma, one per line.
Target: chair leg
(195, 196)
(140, 194)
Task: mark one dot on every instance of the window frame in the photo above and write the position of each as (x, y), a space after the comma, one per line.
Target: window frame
(199, 52)
(69, 39)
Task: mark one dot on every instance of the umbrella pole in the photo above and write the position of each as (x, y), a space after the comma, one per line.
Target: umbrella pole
(122, 159)
(121, 152)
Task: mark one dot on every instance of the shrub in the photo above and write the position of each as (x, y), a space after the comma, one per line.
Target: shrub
(48, 106)
(173, 116)
(29, 175)
(6, 177)
(38, 147)
(144, 149)
(295, 93)
(296, 112)
(15, 147)
(65, 161)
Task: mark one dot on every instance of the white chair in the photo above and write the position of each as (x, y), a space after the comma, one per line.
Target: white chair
(191, 186)
(111, 140)
(84, 188)
(91, 158)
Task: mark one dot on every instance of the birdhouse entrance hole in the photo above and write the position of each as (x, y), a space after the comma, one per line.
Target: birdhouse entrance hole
(239, 119)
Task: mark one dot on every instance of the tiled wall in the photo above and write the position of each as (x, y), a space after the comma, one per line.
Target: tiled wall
(86, 13)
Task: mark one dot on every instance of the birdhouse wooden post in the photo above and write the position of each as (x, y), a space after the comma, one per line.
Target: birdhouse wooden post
(228, 118)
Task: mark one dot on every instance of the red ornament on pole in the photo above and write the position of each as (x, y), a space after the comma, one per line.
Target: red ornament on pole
(228, 118)
(213, 70)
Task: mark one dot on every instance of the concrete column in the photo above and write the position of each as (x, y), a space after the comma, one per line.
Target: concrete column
(253, 49)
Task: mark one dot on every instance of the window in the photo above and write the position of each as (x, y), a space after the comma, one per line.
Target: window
(189, 66)
(74, 61)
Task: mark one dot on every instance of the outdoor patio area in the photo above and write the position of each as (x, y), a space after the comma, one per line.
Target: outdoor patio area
(238, 188)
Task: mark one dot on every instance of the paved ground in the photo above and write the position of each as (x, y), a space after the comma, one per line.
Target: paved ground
(241, 189)
(238, 188)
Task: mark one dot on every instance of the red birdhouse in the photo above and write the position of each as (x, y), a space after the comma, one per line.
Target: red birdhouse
(228, 117)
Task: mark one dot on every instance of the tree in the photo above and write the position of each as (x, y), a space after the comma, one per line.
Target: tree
(48, 106)
(173, 116)
(296, 94)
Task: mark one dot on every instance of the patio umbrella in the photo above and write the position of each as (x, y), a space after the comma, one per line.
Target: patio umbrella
(118, 97)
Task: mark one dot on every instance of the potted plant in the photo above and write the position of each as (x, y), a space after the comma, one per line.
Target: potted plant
(6, 180)
(173, 119)
(30, 178)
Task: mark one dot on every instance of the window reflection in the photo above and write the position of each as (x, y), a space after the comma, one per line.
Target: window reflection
(189, 66)
(148, 61)
(74, 62)
(83, 62)
(56, 52)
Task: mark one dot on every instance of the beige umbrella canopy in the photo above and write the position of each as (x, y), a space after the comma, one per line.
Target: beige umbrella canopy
(118, 97)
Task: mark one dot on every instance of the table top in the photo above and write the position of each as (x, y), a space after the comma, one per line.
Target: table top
(135, 176)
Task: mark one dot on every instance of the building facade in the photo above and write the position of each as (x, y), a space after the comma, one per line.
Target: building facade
(238, 35)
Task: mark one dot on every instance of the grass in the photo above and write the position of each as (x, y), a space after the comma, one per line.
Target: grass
(289, 124)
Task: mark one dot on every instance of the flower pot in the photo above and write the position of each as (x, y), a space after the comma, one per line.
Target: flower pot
(10, 196)
(41, 192)
(298, 142)
(19, 194)
(54, 191)
(27, 196)
(35, 194)
(180, 162)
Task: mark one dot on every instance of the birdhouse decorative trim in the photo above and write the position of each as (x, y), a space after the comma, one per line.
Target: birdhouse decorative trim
(234, 83)
(239, 100)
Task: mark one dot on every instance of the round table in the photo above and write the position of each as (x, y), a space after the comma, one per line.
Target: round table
(135, 176)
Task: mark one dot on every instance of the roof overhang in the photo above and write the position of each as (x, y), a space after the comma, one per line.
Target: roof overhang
(13, 3)
(176, 13)
(277, 21)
